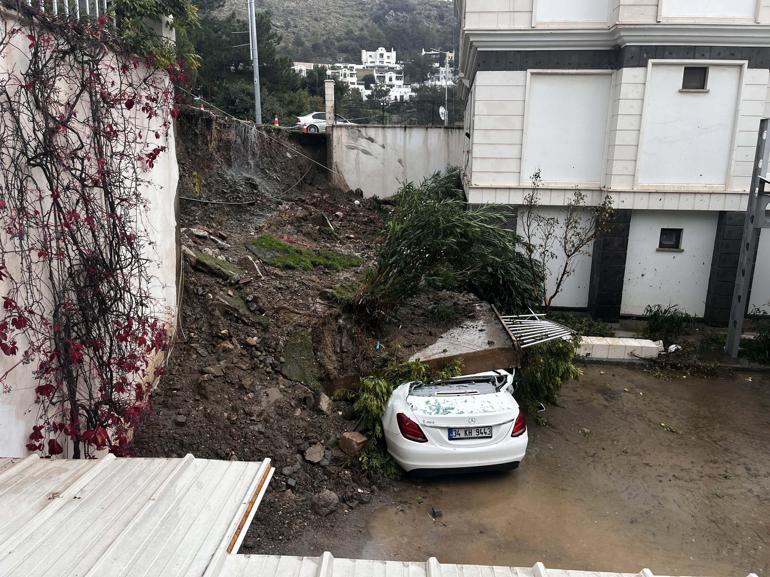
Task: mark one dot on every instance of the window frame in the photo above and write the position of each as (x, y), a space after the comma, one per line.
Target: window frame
(704, 88)
(679, 236)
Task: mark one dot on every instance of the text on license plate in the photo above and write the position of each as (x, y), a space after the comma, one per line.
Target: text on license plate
(470, 433)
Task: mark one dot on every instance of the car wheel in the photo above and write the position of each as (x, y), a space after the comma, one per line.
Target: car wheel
(312, 128)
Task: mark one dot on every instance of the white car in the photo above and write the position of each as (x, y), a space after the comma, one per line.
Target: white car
(316, 121)
(466, 422)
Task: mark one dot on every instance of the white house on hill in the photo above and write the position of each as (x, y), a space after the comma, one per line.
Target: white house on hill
(655, 102)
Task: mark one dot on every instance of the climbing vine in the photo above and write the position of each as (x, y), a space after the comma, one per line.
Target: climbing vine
(81, 128)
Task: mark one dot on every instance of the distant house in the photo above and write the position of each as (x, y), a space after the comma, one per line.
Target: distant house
(655, 102)
(379, 57)
(302, 68)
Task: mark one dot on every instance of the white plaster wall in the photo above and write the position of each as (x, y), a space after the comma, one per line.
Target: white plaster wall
(687, 137)
(518, 14)
(760, 288)
(565, 127)
(379, 159)
(656, 277)
(17, 409)
(574, 292)
(572, 11)
(745, 9)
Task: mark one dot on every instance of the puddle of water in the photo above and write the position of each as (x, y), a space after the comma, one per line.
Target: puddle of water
(519, 518)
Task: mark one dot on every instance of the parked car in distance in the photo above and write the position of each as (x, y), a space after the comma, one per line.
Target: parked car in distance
(468, 422)
(316, 121)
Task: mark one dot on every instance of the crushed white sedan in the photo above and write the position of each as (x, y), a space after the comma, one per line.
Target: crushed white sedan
(468, 422)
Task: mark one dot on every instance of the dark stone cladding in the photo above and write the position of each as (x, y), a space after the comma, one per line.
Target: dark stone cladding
(608, 268)
(724, 267)
(631, 56)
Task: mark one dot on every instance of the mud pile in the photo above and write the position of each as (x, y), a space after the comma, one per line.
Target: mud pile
(269, 249)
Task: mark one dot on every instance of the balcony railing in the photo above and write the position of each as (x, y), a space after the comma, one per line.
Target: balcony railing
(77, 9)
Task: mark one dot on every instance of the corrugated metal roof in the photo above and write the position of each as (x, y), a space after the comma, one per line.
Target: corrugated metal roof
(328, 566)
(114, 517)
(171, 518)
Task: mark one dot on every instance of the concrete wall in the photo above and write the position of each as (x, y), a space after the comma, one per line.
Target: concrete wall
(687, 137)
(720, 136)
(759, 300)
(522, 14)
(379, 159)
(17, 409)
(565, 127)
(662, 277)
(574, 291)
(582, 11)
(745, 9)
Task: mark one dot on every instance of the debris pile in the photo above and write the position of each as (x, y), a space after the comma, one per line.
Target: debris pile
(269, 251)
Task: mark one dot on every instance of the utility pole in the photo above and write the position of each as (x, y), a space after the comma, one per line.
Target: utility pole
(255, 60)
(756, 219)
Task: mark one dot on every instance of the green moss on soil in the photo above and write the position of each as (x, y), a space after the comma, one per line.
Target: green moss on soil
(299, 360)
(217, 265)
(276, 252)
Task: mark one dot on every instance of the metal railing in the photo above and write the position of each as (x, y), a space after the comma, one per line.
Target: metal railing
(77, 9)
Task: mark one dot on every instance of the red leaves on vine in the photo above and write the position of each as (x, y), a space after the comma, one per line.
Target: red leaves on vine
(80, 301)
(54, 448)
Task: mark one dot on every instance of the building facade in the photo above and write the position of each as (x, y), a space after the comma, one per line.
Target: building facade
(379, 57)
(654, 102)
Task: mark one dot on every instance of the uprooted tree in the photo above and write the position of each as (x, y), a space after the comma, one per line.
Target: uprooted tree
(554, 243)
(434, 241)
(82, 125)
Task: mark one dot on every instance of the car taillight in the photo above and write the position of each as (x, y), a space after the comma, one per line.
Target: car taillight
(410, 430)
(519, 425)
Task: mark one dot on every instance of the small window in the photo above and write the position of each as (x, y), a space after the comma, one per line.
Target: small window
(695, 78)
(670, 239)
(319, 116)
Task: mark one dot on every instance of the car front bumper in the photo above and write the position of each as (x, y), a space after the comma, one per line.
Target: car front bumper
(412, 456)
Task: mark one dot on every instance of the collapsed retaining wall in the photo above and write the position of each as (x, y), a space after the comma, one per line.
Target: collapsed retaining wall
(378, 159)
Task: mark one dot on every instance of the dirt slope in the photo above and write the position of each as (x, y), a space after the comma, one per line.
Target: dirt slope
(259, 342)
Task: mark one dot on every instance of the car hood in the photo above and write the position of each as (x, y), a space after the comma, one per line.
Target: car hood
(455, 411)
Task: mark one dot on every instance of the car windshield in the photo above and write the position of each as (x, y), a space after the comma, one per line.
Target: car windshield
(482, 386)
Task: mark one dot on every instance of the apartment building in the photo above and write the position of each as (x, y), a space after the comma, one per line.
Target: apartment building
(379, 57)
(654, 102)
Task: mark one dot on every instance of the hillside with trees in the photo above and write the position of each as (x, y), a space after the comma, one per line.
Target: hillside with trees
(337, 30)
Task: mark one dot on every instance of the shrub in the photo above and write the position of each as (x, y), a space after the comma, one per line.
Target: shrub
(583, 325)
(371, 399)
(544, 368)
(757, 349)
(666, 324)
(433, 241)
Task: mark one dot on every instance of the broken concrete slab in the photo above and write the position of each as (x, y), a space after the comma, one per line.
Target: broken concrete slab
(618, 349)
(481, 342)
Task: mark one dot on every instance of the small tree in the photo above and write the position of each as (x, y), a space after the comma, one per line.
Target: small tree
(554, 238)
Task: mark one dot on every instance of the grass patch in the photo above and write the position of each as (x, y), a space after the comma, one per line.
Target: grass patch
(279, 253)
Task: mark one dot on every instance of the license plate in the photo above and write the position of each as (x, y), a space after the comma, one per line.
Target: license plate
(470, 433)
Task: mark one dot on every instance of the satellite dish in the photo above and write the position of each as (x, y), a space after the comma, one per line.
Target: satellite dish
(442, 113)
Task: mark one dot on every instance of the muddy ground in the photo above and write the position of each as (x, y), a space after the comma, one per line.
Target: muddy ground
(633, 471)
